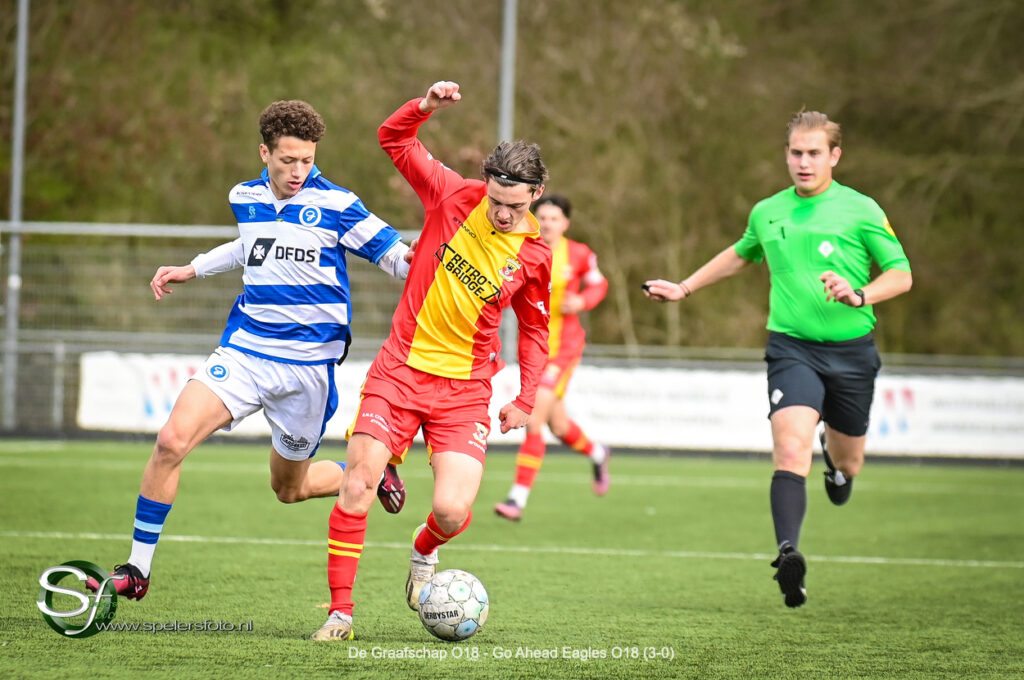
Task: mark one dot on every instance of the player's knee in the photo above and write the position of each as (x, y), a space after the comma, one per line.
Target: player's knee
(359, 487)
(289, 495)
(171, 445)
(451, 514)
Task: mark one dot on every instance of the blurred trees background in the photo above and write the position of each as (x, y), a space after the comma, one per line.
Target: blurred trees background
(662, 120)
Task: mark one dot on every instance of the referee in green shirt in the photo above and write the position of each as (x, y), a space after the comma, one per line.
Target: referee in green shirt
(819, 239)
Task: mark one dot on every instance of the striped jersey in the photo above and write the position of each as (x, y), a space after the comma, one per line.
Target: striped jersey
(463, 273)
(294, 307)
(573, 271)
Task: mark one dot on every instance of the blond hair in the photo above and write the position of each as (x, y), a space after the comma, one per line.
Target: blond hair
(815, 120)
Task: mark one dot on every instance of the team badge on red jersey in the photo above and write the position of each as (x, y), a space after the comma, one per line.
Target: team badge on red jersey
(510, 268)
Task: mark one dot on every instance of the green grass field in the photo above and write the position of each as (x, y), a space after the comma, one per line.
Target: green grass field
(921, 575)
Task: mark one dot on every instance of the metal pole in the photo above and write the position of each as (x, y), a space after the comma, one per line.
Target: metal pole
(506, 118)
(507, 86)
(10, 370)
(60, 356)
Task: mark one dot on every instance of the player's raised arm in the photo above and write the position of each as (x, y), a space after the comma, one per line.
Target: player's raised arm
(440, 95)
(429, 178)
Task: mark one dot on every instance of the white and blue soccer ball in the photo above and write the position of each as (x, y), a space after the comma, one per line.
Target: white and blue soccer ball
(453, 605)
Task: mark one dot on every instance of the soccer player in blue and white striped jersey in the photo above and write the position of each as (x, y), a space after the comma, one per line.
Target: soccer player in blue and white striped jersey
(285, 334)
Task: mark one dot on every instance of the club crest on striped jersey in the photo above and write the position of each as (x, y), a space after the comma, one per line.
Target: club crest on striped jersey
(310, 216)
(511, 267)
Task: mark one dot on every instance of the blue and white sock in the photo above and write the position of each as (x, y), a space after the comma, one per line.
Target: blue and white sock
(149, 522)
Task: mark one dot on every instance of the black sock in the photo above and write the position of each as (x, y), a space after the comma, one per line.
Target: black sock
(789, 503)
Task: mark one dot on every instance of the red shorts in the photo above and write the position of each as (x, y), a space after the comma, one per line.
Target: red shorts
(397, 400)
(557, 373)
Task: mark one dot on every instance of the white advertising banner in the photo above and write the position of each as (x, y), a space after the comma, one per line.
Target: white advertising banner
(669, 408)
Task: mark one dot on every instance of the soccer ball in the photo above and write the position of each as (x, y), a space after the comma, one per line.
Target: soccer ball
(453, 605)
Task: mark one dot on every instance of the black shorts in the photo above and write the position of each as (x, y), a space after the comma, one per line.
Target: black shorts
(837, 379)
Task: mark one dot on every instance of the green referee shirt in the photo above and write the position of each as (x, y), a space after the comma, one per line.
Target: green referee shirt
(801, 238)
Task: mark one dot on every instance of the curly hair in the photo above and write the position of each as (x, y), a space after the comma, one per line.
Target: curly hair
(291, 118)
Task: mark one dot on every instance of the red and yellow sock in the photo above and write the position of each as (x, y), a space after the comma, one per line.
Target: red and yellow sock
(345, 536)
(432, 537)
(575, 439)
(529, 459)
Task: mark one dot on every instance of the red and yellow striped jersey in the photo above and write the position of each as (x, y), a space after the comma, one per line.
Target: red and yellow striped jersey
(463, 273)
(573, 271)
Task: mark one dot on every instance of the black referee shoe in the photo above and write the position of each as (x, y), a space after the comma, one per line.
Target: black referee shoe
(790, 570)
(837, 493)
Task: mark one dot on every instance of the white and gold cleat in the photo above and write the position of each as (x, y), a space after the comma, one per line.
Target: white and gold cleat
(421, 570)
(338, 627)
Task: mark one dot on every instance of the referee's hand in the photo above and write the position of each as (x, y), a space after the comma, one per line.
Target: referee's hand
(661, 290)
(838, 289)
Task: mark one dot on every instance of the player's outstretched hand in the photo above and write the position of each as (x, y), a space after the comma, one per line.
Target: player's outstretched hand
(166, 275)
(441, 94)
(661, 290)
(839, 289)
(512, 417)
(412, 250)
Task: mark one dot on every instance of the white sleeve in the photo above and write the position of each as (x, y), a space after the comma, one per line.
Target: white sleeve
(223, 258)
(393, 261)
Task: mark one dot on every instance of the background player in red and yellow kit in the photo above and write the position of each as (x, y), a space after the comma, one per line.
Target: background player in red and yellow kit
(577, 285)
(480, 251)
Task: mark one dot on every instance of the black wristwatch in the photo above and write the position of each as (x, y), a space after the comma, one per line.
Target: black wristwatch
(859, 293)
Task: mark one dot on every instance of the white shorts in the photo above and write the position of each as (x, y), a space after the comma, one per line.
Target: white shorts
(296, 399)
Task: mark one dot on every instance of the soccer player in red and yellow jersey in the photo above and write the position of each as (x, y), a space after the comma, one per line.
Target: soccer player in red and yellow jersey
(577, 285)
(480, 251)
